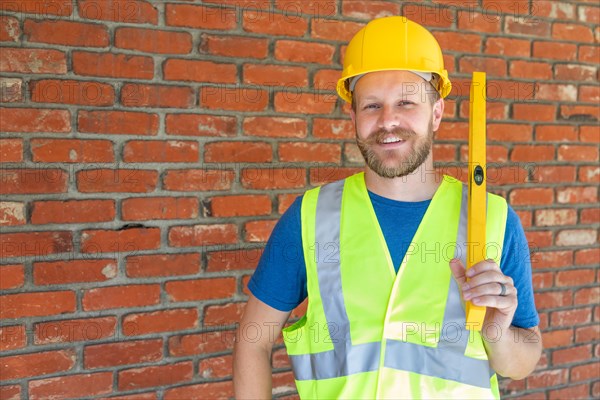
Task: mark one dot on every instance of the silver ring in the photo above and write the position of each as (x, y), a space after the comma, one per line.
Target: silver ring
(503, 289)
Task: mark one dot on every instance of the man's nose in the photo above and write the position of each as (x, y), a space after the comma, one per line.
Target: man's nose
(389, 118)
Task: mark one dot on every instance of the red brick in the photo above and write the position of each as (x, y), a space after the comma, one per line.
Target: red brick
(553, 217)
(124, 240)
(309, 152)
(274, 127)
(577, 153)
(199, 71)
(587, 295)
(590, 174)
(333, 128)
(326, 79)
(475, 22)
(555, 50)
(548, 378)
(492, 66)
(273, 178)
(531, 196)
(72, 211)
(313, 7)
(303, 52)
(270, 23)
(120, 297)
(258, 231)
(241, 205)
(160, 375)
(160, 321)
(11, 90)
(587, 194)
(117, 122)
(135, 95)
(66, 33)
(72, 386)
(24, 120)
(153, 41)
(557, 338)
(200, 289)
(534, 112)
(72, 151)
(250, 152)
(304, 103)
(200, 125)
(35, 364)
(554, 10)
(33, 61)
(131, 11)
(447, 131)
(572, 32)
(576, 237)
(74, 271)
(234, 99)
(144, 266)
(202, 235)
(529, 153)
(281, 359)
(193, 180)
(587, 333)
(12, 276)
(10, 392)
(579, 111)
(429, 16)
(530, 70)
(585, 372)
(526, 26)
(74, 330)
(146, 151)
(200, 17)
(369, 10)
(116, 180)
(505, 46)
(156, 208)
(228, 314)
(35, 244)
(589, 54)
(552, 259)
(525, 217)
(570, 392)
(235, 46)
(574, 72)
(548, 300)
(201, 343)
(216, 367)
(275, 75)
(590, 216)
(556, 92)
(575, 277)
(509, 132)
(112, 65)
(12, 213)
(330, 29)
(123, 353)
(454, 41)
(137, 396)
(10, 31)
(587, 256)
(214, 390)
(572, 354)
(589, 94)
(322, 175)
(555, 133)
(233, 260)
(568, 318)
(72, 92)
(12, 338)
(11, 150)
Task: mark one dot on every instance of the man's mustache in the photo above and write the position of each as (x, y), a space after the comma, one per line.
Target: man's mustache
(378, 136)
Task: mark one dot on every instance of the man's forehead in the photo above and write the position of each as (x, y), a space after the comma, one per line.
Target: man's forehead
(398, 83)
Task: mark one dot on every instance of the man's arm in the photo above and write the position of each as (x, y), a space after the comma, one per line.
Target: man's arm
(258, 330)
(513, 352)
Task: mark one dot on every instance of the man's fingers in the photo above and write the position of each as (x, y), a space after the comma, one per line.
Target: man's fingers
(458, 270)
(490, 289)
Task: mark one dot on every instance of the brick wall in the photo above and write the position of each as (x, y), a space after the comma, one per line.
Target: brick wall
(148, 148)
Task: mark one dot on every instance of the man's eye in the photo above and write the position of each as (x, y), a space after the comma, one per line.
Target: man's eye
(371, 106)
(405, 103)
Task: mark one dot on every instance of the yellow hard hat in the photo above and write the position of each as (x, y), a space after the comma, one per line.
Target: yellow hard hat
(393, 43)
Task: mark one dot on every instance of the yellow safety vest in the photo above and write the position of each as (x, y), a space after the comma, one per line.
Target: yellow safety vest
(371, 333)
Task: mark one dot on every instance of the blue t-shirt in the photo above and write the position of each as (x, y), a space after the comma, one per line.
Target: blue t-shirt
(280, 277)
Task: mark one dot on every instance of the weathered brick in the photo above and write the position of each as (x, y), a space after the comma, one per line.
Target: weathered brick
(171, 151)
(123, 353)
(151, 265)
(72, 386)
(33, 61)
(126, 296)
(72, 211)
(155, 208)
(200, 125)
(117, 122)
(130, 11)
(12, 213)
(74, 271)
(67, 33)
(200, 289)
(153, 41)
(112, 65)
(25, 120)
(202, 235)
(36, 364)
(72, 151)
(74, 330)
(160, 321)
(72, 92)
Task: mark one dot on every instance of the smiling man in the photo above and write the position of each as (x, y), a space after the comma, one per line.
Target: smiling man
(380, 255)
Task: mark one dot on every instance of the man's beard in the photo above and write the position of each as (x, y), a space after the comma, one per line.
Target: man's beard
(403, 165)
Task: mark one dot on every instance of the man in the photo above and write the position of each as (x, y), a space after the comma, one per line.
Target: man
(380, 255)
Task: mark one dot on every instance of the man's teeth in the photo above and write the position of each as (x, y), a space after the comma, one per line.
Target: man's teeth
(391, 140)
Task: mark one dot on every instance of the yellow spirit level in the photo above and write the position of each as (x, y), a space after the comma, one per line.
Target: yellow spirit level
(477, 190)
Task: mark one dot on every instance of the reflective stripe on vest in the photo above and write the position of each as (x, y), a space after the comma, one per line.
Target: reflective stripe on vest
(346, 358)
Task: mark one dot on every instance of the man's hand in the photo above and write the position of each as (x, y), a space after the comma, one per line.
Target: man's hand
(482, 285)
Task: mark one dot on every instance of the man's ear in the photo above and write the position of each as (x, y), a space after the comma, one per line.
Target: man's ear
(438, 111)
(353, 116)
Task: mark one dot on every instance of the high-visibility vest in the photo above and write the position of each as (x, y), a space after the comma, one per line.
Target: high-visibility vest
(371, 333)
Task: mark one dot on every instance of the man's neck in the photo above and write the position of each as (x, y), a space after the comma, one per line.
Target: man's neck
(417, 186)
